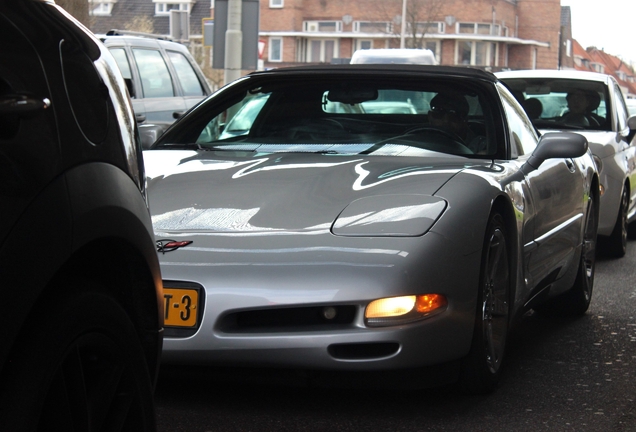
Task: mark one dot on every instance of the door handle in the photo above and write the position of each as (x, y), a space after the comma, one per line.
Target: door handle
(22, 105)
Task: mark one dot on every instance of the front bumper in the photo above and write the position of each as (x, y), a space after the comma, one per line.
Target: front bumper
(329, 275)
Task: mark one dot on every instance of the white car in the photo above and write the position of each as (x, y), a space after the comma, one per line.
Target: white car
(608, 127)
(395, 56)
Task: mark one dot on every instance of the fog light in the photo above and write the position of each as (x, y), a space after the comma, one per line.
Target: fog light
(400, 310)
(329, 312)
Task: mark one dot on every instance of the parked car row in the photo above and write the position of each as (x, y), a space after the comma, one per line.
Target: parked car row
(348, 217)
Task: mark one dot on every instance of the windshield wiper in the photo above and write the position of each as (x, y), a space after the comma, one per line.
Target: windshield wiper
(178, 146)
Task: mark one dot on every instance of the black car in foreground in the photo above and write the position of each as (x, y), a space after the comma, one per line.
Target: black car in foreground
(81, 321)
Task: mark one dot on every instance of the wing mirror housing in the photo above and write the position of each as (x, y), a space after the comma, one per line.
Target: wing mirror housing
(557, 145)
(553, 145)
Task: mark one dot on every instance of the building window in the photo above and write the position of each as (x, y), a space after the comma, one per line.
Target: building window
(362, 44)
(476, 53)
(429, 27)
(276, 3)
(101, 8)
(164, 7)
(322, 50)
(433, 46)
(275, 53)
(478, 28)
(597, 67)
(322, 26)
(372, 27)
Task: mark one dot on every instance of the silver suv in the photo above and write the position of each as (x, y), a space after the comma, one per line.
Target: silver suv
(163, 79)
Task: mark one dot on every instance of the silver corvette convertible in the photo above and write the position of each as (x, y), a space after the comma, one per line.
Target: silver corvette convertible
(318, 235)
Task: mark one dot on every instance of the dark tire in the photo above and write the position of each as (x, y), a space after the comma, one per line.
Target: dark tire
(481, 369)
(615, 245)
(631, 231)
(576, 300)
(78, 366)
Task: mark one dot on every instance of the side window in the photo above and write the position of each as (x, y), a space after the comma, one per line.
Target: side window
(621, 109)
(186, 75)
(124, 67)
(154, 74)
(523, 137)
(235, 121)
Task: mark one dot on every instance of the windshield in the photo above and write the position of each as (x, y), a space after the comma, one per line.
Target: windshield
(340, 116)
(558, 103)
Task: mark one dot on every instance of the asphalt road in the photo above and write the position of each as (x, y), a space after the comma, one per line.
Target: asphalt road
(561, 375)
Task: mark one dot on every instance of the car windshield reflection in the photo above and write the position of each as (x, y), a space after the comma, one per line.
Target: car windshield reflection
(340, 117)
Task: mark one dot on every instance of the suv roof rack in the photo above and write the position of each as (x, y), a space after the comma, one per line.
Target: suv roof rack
(116, 32)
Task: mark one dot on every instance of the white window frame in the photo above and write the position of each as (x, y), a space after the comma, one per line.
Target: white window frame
(101, 8)
(359, 42)
(473, 52)
(597, 67)
(270, 56)
(336, 49)
(441, 26)
(314, 26)
(387, 26)
(476, 26)
(438, 47)
(276, 4)
(161, 6)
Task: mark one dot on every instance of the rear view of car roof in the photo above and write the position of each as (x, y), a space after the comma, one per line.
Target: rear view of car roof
(396, 56)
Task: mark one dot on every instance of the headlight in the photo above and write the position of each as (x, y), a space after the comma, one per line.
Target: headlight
(401, 310)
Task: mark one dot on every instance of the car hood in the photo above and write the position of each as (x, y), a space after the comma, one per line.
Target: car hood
(248, 193)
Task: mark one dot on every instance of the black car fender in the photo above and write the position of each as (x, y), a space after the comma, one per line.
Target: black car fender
(78, 226)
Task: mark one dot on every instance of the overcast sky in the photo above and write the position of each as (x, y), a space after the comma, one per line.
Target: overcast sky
(606, 24)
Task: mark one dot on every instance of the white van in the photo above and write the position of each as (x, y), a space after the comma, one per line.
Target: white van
(394, 55)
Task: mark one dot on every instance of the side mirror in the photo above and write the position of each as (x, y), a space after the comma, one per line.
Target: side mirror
(631, 123)
(149, 134)
(558, 145)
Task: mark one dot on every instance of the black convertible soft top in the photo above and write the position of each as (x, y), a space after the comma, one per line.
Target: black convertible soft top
(363, 69)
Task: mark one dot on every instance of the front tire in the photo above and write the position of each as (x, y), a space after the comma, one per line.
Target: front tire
(481, 369)
(79, 365)
(576, 300)
(615, 245)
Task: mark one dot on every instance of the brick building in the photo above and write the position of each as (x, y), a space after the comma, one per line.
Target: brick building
(494, 34)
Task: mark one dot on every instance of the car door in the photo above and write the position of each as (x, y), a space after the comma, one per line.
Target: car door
(554, 213)
(159, 91)
(29, 146)
(132, 81)
(626, 152)
(190, 84)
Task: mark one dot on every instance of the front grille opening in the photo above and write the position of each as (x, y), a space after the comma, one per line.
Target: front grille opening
(290, 319)
(363, 351)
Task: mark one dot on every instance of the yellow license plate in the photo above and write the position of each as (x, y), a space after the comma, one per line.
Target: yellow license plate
(181, 307)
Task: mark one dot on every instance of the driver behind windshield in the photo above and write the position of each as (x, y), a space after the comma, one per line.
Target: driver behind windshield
(449, 112)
